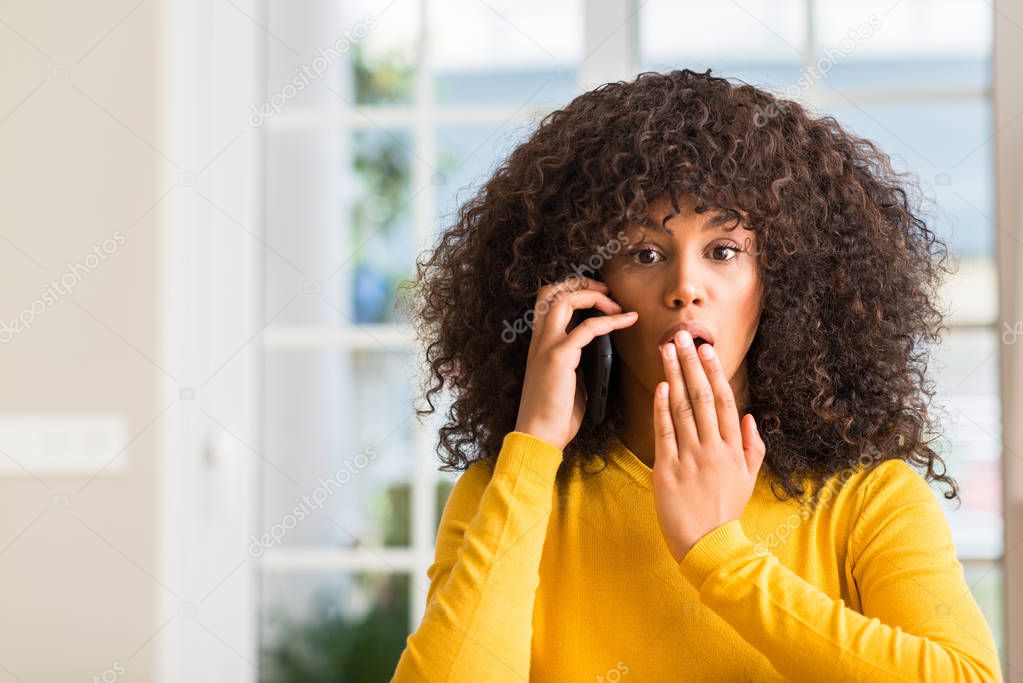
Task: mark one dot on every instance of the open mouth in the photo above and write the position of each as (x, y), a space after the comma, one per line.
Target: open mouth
(698, 340)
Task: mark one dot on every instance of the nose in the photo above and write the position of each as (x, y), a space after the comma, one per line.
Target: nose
(683, 287)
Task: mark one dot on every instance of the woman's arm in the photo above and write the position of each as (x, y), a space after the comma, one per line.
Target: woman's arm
(919, 622)
(478, 624)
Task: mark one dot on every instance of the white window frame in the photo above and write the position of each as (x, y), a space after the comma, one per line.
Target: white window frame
(1008, 143)
(210, 302)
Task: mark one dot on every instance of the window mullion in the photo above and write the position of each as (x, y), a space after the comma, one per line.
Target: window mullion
(610, 45)
(424, 490)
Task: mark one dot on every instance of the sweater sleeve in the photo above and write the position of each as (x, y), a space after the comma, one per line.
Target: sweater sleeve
(478, 621)
(919, 620)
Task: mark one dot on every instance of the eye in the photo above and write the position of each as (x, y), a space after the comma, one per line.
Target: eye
(730, 247)
(642, 250)
(727, 246)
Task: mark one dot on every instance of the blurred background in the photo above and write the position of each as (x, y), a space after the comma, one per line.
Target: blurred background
(210, 469)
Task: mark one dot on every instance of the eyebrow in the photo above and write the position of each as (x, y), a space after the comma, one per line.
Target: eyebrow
(715, 222)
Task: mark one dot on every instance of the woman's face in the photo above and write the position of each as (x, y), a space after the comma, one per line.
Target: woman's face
(697, 274)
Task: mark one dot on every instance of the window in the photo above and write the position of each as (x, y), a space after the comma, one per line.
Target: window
(366, 157)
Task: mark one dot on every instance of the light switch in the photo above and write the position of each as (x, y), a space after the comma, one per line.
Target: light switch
(71, 445)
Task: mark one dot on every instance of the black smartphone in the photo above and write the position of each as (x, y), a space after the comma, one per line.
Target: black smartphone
(597, 357)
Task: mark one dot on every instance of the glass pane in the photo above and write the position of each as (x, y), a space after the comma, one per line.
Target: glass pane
(761, 42)
(339, 225)
(444, 487)
(332, 626)
(384, 60)
(986, 581)
(290, 41)
(302, 227)
(971, 294)
(965, 372)
(947, 146)
(444, 481)
(382, 228)
(331, 55)
(337, 449)
(466, 157)
(515, 52)
(876, 45)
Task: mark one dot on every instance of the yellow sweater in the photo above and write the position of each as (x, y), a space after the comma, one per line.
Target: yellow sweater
(538, 578)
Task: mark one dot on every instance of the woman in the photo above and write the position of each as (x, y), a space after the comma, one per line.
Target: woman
(760, 519)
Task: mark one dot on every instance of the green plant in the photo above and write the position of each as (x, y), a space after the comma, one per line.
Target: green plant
(331, 646)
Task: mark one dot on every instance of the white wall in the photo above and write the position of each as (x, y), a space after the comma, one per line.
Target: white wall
(124, 503)
(80, 160)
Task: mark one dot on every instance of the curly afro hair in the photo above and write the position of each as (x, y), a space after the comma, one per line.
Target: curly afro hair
(850, 270)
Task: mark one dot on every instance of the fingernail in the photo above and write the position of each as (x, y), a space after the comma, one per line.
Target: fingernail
(669, 351)
(686, 339)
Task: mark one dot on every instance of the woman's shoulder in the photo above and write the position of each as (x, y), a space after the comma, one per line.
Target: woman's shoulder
(871, 490)
(874, 479)
(522, 456)
(469, 485)
(895, 481)
(895, 500)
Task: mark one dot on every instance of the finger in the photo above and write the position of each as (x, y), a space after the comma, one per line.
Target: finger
(589, 329)
(665, 443)
(724, 398)
(753, 446)
(570, 284)
(549, 293)
(544, 302)
(553, 315)
(681, 410)
(701, 393)
(580, 384)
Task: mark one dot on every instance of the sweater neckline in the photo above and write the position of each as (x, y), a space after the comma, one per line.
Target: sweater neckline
(630, 463)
